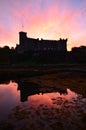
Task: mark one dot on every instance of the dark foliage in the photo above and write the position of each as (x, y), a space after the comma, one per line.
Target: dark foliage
(10, 56)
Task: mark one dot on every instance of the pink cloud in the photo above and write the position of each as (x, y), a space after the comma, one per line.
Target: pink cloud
(50, 20)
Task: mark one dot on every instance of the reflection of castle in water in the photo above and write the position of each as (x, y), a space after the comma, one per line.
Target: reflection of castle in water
(30, 88)
(27, 89)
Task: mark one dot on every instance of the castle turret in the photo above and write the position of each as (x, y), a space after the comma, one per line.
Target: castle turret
(22, 37)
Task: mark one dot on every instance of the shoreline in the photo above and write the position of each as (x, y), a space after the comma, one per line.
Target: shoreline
(25, 72)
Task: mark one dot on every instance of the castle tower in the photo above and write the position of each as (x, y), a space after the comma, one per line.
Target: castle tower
(22, 37)
(62, 45)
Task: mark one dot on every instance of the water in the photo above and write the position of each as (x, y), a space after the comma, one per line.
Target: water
(24, 106)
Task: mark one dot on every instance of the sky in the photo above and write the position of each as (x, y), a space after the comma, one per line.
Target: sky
(47, 19)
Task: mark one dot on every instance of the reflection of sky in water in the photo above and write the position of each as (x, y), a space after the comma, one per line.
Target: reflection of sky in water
(64, 107)
(50, 98)
(9, 97)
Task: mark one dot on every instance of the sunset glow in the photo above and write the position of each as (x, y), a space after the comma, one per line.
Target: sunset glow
(47, 19)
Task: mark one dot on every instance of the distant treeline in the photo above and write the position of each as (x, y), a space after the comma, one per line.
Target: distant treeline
(5, 55)
(11, 56)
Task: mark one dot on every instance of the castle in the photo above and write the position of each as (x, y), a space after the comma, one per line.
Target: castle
(36, 45)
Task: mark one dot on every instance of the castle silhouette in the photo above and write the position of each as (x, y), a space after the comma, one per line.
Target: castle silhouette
(35, 45)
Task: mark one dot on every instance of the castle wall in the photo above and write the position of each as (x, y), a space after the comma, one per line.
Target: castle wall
(31, 44)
